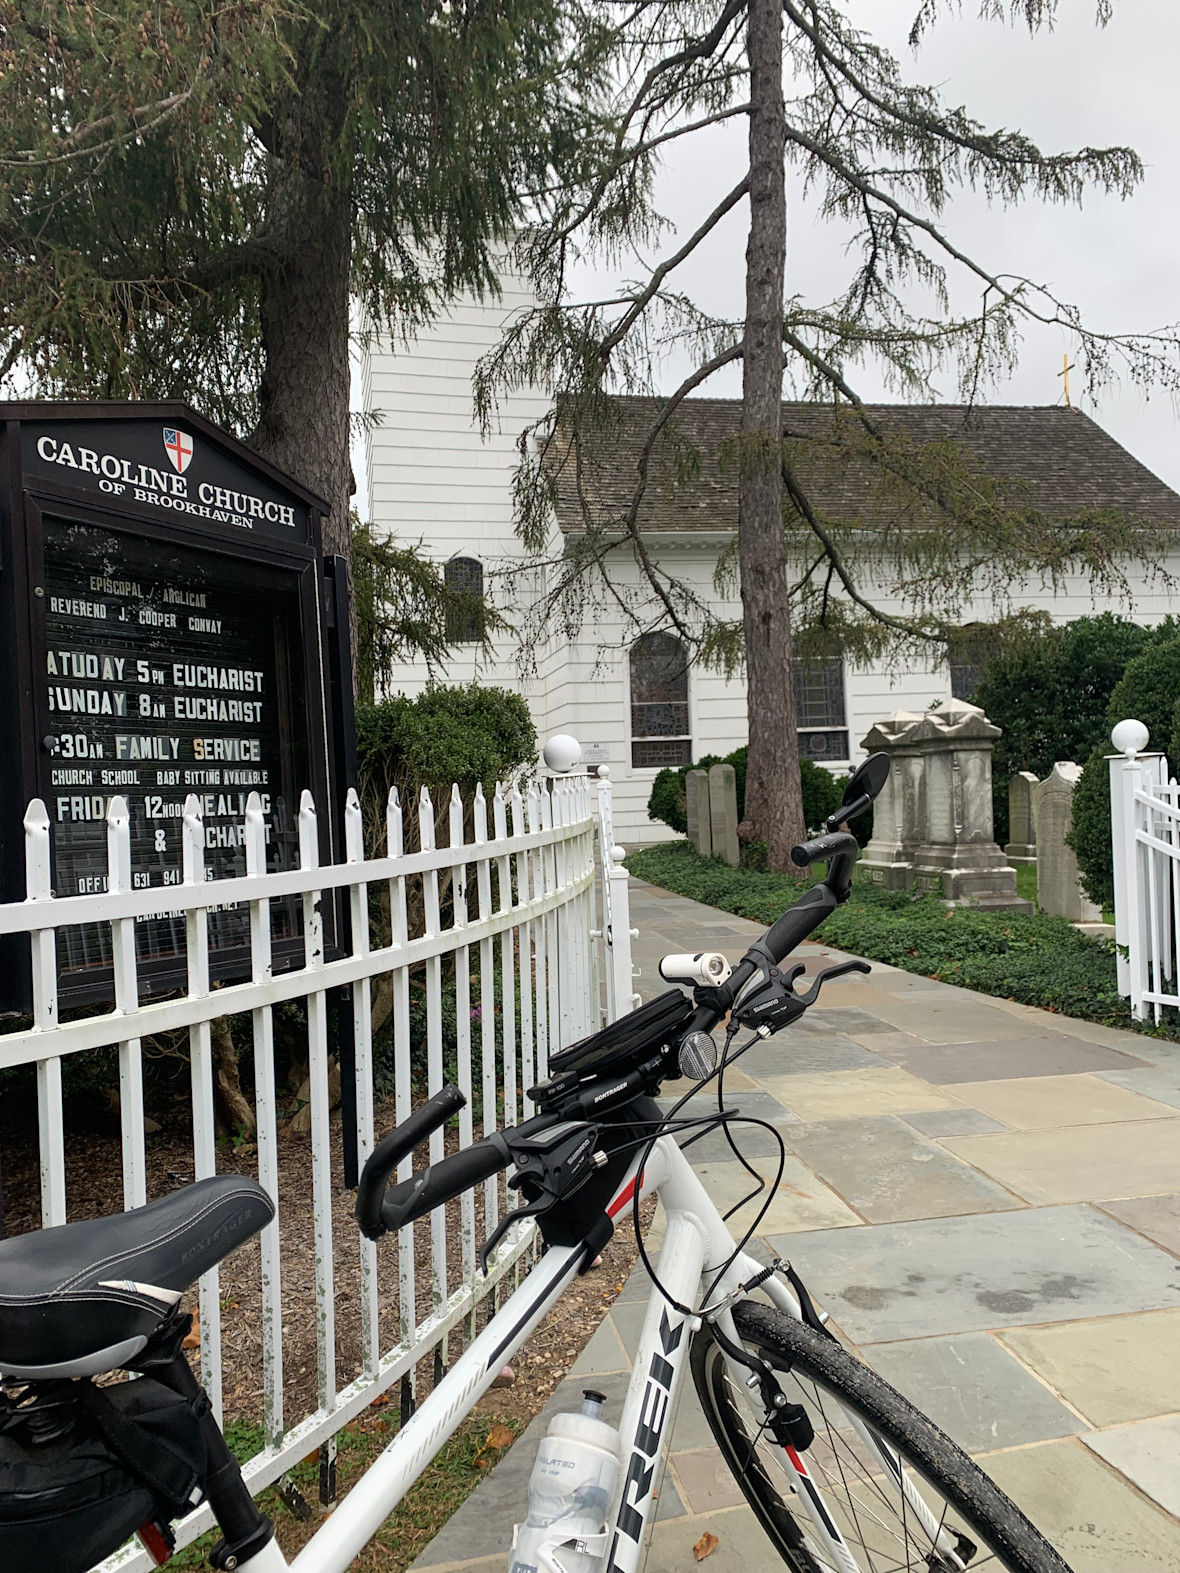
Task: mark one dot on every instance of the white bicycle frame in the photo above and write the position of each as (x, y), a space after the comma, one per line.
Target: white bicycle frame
(697, 1242)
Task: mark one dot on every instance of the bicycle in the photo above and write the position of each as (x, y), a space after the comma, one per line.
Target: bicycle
(842, 1473)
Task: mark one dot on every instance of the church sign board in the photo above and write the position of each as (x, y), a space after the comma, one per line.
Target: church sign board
(167, 626)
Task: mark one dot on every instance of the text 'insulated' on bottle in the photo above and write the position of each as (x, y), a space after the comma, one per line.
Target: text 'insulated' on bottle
(570, 1491)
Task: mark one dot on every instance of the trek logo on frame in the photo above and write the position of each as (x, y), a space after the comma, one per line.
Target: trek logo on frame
(653, 1414)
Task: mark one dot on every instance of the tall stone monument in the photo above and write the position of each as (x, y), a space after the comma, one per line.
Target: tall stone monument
(1021, 847)
(899, 810)
(1059, 889)
(723, 813)
(932, 826)
(696, 807)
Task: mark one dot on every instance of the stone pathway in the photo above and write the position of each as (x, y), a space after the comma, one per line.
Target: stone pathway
(986, 1198)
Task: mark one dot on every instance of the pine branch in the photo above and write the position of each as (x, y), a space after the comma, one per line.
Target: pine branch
(659, 274)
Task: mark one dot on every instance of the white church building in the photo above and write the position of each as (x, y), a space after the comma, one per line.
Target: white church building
(631, 703)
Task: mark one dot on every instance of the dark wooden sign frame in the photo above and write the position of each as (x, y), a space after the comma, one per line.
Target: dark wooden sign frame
(182, 497)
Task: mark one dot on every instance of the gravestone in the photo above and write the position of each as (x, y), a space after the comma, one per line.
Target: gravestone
(888, 860)
(932, 826)
(696, 802)
(1058, 888)
(1021, 848)
(723, 814)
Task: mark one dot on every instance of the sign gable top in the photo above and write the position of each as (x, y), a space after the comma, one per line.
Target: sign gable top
(161, 455)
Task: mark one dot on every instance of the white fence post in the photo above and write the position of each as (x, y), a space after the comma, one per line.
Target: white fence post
(127, 1004)
(200, 1056)
(51, 1132)
(267, 1113)
(617, 932)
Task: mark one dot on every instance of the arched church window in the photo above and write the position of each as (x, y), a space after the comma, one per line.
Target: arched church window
(819, 709)
(659, 703)
(464, 575)
(968, 650)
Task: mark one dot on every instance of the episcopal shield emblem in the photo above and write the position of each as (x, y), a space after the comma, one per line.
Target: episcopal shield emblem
(179, 447)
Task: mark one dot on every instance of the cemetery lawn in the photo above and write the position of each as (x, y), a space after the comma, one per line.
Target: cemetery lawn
(1038, 960)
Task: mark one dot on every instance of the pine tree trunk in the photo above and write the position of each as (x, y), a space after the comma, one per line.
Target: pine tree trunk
(774, 802)
(303, 421)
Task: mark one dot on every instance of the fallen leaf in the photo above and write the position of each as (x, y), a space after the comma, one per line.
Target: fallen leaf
(192, 1340)
(705, 1546)
(498, 1437)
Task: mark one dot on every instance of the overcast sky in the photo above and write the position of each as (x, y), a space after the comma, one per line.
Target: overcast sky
(1075, 86)
(1078, 85)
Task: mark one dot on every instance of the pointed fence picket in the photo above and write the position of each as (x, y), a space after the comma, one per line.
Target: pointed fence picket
(505, 930)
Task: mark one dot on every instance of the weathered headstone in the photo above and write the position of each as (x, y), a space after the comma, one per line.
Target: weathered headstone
(932, 826)
(888, 859)
(1021, 847)
(696, 802)
(723, 814)
(1058, 888)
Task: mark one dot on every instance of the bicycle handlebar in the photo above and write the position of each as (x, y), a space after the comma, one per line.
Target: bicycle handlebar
(442, 1182)
(399, 1144)
(837, 843)
(379, 1210)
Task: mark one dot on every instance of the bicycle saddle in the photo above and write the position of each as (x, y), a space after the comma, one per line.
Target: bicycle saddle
(85, 1297)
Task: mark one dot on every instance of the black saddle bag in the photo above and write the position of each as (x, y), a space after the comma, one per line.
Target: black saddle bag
(129, 1455)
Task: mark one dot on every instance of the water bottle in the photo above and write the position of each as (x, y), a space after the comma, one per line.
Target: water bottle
(570, 1492)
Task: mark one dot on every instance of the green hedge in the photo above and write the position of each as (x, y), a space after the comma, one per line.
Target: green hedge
(821, 791)
(1037, 960)
(1050, 690)
(466, 734)
(1147, 692)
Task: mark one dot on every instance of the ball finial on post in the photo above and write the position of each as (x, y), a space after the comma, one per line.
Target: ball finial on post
(561, 753)
(1130, 737)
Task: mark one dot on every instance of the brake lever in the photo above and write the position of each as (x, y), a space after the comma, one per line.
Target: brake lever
(550, 1166)
(827, 975)
(776, 1004)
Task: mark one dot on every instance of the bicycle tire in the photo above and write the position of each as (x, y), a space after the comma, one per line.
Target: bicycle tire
(812, 1368)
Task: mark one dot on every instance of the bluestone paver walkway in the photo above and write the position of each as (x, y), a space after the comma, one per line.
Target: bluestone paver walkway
(986, 1198)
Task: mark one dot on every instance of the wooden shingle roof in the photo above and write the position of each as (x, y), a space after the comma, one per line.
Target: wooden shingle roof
(1062, 462)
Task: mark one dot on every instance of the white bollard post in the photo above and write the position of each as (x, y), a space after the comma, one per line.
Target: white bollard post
(617, 932)
(619, 935)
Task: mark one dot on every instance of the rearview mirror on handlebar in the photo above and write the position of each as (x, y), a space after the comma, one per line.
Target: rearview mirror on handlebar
(866, 780)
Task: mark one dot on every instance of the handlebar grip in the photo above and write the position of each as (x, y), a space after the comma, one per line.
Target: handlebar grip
(441, 1182)
(831, 845)
(400, 1142)
(797, 922)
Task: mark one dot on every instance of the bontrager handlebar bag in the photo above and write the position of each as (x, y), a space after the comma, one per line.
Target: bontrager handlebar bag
(82, 1469)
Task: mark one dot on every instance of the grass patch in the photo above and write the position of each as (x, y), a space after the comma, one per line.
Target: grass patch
(456, 1470)
(1038, 960)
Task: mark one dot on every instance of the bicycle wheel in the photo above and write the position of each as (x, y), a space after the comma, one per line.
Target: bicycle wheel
(881, 1527)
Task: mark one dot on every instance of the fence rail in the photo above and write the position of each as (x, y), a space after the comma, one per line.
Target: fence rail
(497, 925)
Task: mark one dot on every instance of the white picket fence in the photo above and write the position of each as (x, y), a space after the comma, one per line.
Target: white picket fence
(1145, 841)
(523, 898)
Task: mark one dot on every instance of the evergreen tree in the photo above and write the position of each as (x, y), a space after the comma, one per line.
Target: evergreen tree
(885, 157)
(190, 192)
